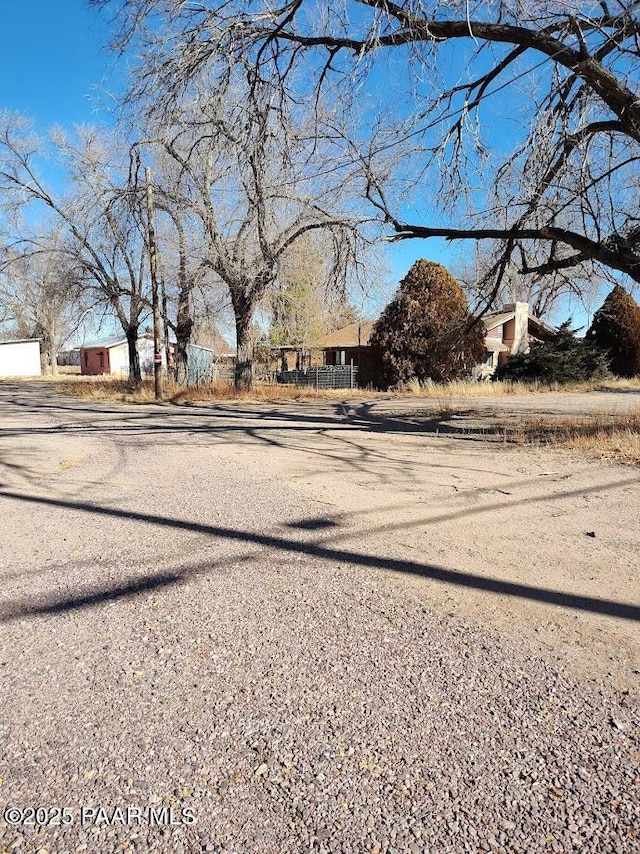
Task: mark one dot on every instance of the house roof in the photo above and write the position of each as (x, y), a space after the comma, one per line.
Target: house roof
(19, 340)
(353, 335)
(491, 321)
(542, 326)
(199, 347)
(103, 342)
(494, 345)
(115, 341)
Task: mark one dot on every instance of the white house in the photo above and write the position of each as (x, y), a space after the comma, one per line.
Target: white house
(20, 358)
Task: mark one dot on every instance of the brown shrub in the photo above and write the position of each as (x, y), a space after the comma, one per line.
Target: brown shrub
(426, 331)
(616, 329)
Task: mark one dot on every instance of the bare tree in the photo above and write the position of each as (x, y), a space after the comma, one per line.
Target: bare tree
(98, 215)
(188, 284)
(246, 184)
(543, 292)
(558, 78)
(183, 275)
(41, 295)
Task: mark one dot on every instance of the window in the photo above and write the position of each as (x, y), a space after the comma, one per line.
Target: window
(101, 357)
(86, 359)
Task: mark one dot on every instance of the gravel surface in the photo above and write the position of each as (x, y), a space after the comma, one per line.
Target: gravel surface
(176, 636)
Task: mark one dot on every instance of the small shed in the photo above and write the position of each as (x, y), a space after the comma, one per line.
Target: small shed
(20, 358)
(111, 356)
(106, 356)
(200, 364)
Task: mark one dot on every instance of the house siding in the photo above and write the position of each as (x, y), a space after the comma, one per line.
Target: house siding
(94, 361)
(119, 359)
(20, 359)
(360, 357)
(514, 332)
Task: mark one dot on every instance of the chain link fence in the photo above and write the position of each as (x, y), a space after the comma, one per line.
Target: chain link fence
(322, 377)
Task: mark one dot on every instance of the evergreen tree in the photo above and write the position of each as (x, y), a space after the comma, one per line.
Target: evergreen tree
(560, 358)
(616, 329)
(426, 331)
(305, 303)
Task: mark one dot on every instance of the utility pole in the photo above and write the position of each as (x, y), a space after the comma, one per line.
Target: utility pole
(153, 266)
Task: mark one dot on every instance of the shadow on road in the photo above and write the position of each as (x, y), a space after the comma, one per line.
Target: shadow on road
(13, 611)
(319, 431)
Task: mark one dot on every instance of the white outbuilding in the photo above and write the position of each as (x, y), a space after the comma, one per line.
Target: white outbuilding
(20, 358)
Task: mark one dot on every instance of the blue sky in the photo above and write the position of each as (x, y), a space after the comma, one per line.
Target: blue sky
(55, 68)
(54, 65)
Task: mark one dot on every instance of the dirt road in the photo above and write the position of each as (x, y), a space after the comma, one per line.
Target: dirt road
(335, 627)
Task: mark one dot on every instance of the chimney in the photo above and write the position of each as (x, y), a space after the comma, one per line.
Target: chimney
(521, 332)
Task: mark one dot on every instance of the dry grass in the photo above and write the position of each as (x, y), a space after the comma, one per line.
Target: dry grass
(474, 389)
(103, 388)
(265, 392)
(99, 388)
(607, 437)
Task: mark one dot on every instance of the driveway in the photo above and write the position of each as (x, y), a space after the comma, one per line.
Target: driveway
(331, 627)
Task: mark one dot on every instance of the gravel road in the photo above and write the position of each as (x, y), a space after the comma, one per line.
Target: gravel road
(230, 614)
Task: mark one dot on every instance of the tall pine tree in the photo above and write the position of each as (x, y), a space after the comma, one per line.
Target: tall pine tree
(616, 329)
(426, 331)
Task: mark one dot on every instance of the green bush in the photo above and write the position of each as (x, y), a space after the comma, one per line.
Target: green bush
(616, 329)
(426, 331)
(560, 358)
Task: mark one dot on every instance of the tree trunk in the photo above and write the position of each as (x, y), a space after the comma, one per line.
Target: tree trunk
(244, 355)
(54, 359)
(167, 347)
(135, 375)
(184, 326)
(53, 349)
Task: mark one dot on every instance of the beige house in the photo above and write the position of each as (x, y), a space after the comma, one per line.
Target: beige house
(340, 348)
(349, 346)
(507, 333)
